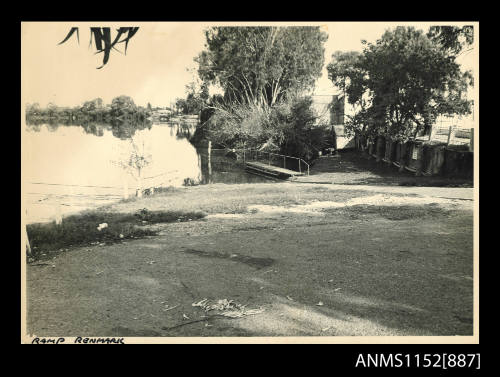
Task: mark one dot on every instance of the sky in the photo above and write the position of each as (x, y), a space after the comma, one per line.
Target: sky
(159, 60)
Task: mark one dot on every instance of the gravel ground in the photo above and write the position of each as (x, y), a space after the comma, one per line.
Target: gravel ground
(303, 260)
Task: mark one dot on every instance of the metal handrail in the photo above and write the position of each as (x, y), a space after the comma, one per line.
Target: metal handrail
(280, 155)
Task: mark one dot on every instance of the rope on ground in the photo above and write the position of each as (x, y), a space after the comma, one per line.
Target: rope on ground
(95, 186)
(159, 175)
(62, 184)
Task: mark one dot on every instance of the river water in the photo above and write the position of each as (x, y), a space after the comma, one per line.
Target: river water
(69, 168)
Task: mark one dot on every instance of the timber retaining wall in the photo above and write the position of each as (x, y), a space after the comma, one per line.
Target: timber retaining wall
(419, 157)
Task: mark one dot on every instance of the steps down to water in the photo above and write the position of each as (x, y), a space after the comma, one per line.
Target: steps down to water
(269, 170)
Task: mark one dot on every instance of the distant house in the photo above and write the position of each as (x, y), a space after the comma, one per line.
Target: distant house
(162, 115)
(163, 112)
(338, 110)
(321, 105)
(331, 111)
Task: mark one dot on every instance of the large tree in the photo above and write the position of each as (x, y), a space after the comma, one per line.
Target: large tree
(452, 38)
(262, 64)
(123, 106)
(402, 82)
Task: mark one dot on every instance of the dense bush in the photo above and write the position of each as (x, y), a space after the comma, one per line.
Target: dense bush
(287, 126)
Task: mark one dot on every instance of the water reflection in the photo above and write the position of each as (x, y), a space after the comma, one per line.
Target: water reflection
(185, 130)
(122, 129)
(216, 167)
(79, 166)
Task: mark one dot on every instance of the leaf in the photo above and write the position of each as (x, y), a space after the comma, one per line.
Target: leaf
(96, 32)
(120, 31)
(107, 45)
(131, 33)
(104, 35)
(73, 29)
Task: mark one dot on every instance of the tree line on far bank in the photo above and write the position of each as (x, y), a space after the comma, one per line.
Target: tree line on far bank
(121, 108)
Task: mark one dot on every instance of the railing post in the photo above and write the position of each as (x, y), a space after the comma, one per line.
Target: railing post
(269, 155)
(299, 167)
(284, 163)
(471, 142)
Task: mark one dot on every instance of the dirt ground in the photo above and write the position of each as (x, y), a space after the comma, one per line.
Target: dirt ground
(327, 261)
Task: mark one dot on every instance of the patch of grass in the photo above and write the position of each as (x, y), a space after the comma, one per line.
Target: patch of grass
(82, 229)
(234, 199)
(154, 217)
(405, 212)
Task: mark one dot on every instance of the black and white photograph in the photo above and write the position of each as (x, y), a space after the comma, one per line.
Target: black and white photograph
(249, 182)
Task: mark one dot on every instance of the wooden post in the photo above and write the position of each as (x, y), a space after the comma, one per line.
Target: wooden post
(209, 161)
(378, 149)
(471, 142)
(299, 167)
(58, 215)
(449, 135)
(27, 240)
(284, 163)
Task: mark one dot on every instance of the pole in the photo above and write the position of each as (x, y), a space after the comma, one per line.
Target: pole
(209, 161)
(28, 246)
(284, 164)
(471, 143)
(449, 135)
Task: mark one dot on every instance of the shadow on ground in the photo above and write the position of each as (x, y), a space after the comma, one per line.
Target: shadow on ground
(351, 167)
(362, 270)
